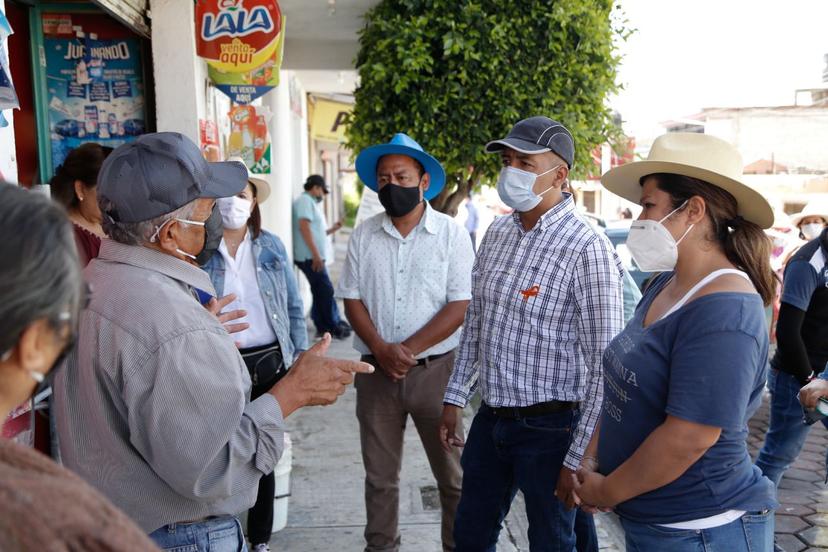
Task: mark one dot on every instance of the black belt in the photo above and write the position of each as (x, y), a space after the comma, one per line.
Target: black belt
(540, 409)
(420, 361)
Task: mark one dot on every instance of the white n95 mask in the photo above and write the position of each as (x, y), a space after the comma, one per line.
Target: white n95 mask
(652, 246)
(235, 211)
(812, 230)
(514, 186)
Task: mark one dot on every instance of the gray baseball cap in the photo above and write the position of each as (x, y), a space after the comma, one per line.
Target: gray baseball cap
(538, 135)
(161, 172)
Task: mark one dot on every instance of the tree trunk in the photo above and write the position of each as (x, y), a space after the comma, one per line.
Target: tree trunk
(448, 201)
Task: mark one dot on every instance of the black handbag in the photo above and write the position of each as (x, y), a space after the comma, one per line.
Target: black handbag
(266, 367)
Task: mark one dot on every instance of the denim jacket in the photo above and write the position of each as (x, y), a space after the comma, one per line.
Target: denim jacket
(280, 294)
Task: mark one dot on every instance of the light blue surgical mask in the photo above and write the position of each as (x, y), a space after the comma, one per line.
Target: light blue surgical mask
(515, 188)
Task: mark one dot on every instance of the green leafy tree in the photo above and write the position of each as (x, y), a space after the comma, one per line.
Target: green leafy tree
(454, 74)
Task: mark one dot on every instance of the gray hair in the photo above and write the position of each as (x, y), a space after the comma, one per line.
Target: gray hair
(137, 233)
(40, 275)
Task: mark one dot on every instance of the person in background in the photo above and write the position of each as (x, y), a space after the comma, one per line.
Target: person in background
(154, 405)
(801, 353)
(44, 506)
(309, 250)
(687, 372)
(330, 253)
(472, 220)
(546, 300)
(812, 220)
(406, 285)
(253, 265)
(73, 186)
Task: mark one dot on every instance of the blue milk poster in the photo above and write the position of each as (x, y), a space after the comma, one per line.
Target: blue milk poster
(95, 93)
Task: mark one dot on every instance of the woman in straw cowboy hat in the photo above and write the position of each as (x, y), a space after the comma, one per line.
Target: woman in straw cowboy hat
(687, 372)
(812, 220)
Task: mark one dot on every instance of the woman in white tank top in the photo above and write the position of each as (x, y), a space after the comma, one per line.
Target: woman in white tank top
(685, 375)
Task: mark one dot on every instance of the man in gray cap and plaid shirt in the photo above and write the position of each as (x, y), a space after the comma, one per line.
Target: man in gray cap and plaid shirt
(153, 408)
(546, 301)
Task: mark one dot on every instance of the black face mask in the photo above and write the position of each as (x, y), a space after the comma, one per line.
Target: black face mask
(213, 232)
(397, 200)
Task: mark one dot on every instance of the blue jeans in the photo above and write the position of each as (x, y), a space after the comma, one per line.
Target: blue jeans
(324, 312)
(586, 537)
(222, 534)
(503, 455)
(786, 432)
(753, 532)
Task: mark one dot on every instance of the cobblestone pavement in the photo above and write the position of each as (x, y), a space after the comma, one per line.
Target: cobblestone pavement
(802, 517)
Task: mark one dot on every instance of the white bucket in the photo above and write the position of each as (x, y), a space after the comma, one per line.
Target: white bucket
(282, 475)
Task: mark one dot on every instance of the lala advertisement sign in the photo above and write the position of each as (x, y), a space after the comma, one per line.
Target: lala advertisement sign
(241, 40)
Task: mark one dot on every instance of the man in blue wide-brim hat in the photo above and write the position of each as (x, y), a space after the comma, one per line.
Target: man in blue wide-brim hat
(406, 286)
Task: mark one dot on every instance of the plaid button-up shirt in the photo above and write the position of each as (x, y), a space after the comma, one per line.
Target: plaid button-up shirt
(545, 304)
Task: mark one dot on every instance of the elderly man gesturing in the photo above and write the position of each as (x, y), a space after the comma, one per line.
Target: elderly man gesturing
(153, 409)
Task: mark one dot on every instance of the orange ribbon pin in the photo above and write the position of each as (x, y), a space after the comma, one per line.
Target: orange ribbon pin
(530, 292)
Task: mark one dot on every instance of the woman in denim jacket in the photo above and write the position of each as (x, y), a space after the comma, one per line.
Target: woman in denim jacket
(253, 265)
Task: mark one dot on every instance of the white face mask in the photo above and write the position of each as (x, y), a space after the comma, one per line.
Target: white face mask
(235, 211)
(515, 188)
(812, 230)
(652, 246)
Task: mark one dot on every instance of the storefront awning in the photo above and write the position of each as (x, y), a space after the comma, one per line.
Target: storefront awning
(132, 13)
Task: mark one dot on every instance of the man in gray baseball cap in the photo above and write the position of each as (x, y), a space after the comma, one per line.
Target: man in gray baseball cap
(153, 407)
(546, 300)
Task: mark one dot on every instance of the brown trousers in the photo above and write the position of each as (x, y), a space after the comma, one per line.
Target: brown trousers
(382, 410)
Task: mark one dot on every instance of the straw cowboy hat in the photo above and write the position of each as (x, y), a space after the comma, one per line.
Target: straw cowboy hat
(698, 156)
(261, 185)
(815, 208)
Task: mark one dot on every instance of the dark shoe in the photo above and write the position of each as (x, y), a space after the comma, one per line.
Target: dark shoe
(345, 326)
(340, 333)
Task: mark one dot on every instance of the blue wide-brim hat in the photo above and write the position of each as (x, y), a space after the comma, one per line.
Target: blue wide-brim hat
(400, 144)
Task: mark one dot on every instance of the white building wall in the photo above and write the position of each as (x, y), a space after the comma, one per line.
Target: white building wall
(795, 137)
(180, 76)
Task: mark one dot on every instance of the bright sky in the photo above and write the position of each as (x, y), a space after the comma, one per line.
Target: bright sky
(690, 54)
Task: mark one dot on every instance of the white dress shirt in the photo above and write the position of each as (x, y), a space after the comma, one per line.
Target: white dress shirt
(404, 282)
(240, 279)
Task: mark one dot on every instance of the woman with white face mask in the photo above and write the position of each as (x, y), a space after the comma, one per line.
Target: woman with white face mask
(812, 220)
(687, 372)
(44, 506)
(253, 265)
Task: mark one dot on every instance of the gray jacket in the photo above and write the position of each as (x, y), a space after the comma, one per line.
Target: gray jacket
(152, 408)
